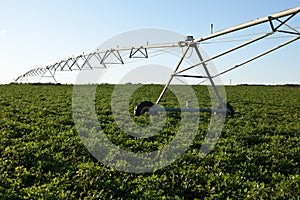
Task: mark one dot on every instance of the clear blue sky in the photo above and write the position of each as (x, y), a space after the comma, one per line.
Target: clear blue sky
(36, 33)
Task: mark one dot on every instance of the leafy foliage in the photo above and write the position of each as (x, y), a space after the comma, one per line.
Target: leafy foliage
(256, 157)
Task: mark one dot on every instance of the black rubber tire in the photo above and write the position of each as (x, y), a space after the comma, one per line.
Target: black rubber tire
(142, 108)
(230, 110)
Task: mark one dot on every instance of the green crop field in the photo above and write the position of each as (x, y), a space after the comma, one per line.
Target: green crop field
(256, 157)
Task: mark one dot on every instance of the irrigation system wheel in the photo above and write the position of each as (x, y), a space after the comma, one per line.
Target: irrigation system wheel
(142, 108)
(230, 110)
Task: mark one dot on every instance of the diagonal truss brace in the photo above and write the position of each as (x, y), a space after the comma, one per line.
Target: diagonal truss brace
(115, 53)
(51, 75)
(281, 23)
(141, 50)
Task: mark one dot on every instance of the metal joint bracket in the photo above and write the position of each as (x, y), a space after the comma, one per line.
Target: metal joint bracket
(183, 43)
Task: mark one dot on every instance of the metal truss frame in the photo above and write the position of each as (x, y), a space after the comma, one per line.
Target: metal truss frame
(82, 62)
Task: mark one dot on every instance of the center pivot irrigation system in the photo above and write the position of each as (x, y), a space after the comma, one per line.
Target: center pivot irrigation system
(82, 62)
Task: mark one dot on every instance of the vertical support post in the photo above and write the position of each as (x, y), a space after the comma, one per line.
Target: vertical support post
(172, 75)
(194, 45)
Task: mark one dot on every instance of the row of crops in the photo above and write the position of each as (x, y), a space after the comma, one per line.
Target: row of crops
(43, 157)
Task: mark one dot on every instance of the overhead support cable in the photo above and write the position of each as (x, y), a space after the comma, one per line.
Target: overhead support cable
(258, 56)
